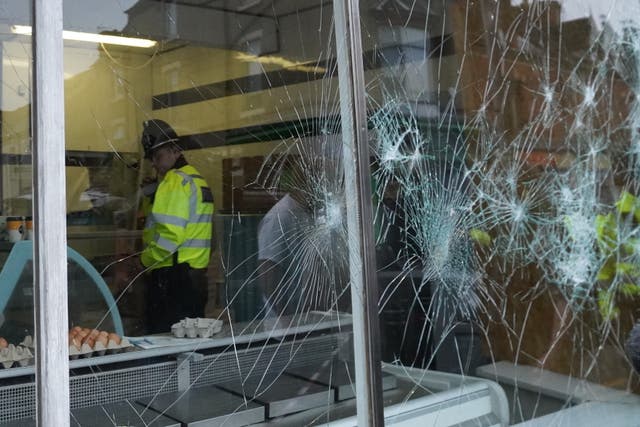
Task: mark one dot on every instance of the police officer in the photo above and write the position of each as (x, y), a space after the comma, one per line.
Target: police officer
(177, 233)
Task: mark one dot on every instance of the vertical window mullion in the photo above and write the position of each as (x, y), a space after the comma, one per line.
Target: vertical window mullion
(362, 262)
(49, 207)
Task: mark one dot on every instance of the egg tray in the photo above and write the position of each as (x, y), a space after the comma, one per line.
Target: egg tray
(15, 355)
(196, 328)
(99, 349)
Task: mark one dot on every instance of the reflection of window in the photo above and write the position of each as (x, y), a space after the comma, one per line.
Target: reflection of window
(171, 75)
(252, 43)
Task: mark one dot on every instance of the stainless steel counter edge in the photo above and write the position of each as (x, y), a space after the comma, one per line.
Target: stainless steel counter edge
(344, 320)
(452, 384)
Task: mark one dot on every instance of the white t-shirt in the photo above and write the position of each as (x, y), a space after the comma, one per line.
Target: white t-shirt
(282, 230)
(281, 240)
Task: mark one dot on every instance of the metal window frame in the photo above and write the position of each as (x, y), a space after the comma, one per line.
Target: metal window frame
(49, 208)
(357, 178)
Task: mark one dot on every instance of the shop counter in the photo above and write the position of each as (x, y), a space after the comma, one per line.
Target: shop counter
(297, 371)
(231, 335)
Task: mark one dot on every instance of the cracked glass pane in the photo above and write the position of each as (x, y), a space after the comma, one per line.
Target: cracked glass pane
(211, 259)
(503, 135)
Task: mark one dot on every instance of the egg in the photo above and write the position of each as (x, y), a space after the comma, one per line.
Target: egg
(76, 329)
(103, 334)
(102, 339)
(91, 342)
(82, 335)
(3, 343)
(75, 342)
(94, 333)
(115, 338)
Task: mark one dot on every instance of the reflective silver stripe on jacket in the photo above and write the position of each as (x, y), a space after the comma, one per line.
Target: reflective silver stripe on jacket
(197, 243)
(202, 218)
(165, 244)
(170, 219)
(193, 197)
(194, 217)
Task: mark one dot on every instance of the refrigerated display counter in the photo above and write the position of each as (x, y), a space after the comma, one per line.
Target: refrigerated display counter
(295, 371)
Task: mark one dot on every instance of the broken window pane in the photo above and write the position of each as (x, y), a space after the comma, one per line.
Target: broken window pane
(502, 139)
(503, 135)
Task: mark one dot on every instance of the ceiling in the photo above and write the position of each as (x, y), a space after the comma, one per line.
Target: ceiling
(272, 8)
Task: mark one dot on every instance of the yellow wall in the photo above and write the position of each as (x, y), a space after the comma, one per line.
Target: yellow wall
(195, 66)
(189, 67)
(109, 95)
(16, 88)
(106, 104)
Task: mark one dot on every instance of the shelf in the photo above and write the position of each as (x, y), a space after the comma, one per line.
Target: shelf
(230, 336)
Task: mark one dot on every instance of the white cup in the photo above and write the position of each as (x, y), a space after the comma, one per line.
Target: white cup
(15, 228)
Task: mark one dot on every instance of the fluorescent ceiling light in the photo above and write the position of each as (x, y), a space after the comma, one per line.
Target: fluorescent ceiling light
(92, 37)
(278, 60)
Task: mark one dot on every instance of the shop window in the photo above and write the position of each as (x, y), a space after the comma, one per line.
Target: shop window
(502, 141)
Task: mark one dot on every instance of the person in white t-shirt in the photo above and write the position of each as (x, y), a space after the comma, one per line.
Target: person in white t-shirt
(281, 238)
(302, 249)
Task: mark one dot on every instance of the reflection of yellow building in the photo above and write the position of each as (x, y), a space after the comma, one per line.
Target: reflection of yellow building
(208, 78)
(106, 105)
(234, 79)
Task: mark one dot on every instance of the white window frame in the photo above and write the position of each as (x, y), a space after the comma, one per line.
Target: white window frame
(49, 208)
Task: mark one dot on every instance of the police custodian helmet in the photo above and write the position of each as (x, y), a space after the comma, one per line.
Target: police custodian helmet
(155, 134)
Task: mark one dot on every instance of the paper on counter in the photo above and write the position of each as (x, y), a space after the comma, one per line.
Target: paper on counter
(157, 341)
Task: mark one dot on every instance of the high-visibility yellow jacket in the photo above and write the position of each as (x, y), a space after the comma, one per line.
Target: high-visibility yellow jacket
(180, 221)
(148, 192)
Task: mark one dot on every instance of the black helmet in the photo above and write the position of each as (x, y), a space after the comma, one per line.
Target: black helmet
(156, 133)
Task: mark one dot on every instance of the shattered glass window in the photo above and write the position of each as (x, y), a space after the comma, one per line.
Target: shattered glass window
(212, 266)
(503, 138)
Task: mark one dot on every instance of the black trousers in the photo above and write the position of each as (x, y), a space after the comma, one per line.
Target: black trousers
(174, 293)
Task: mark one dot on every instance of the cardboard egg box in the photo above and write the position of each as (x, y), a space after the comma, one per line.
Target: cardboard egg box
(98, 345)
(16, 355)
(196, 328)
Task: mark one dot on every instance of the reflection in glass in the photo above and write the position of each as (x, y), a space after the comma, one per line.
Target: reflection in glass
(504, 147)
